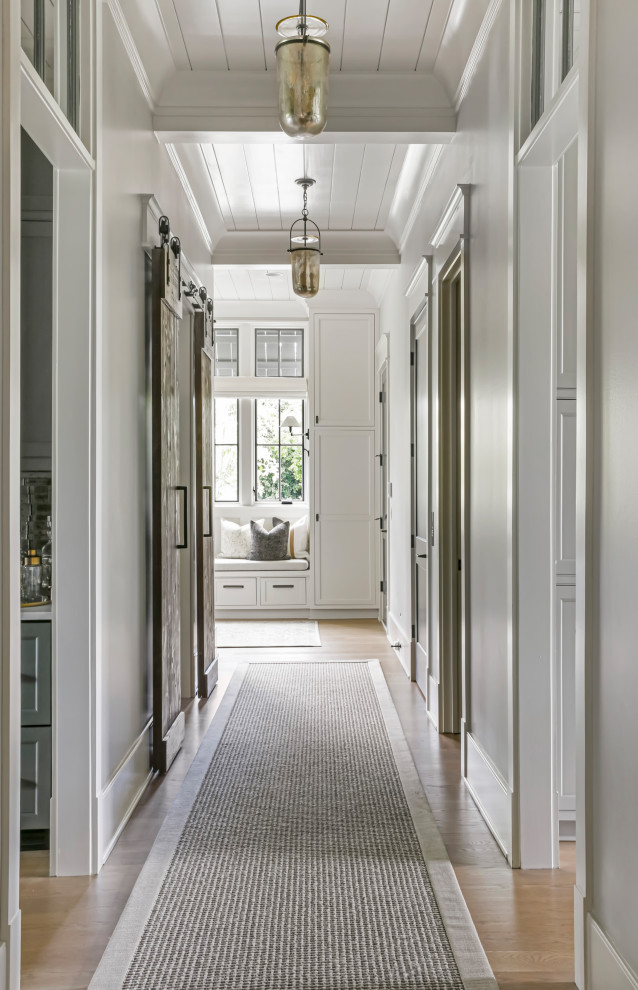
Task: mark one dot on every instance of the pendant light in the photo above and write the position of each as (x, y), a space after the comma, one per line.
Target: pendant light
(305, 249)
(302, 73)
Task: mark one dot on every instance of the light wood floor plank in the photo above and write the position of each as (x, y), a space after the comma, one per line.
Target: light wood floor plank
(524, 918)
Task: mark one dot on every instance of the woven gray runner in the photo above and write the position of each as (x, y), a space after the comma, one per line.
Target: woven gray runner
(298, 865)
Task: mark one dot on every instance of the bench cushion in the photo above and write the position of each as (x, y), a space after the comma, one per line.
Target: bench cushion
(236, 564)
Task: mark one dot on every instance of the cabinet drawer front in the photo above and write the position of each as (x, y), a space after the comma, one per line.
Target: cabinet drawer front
(235, 591)
(283, 591)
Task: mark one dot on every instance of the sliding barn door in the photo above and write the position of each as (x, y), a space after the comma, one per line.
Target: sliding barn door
(207, 672)
(169, 507)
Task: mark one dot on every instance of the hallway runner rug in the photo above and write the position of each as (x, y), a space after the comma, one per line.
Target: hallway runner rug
(268, 633)
(299, 854)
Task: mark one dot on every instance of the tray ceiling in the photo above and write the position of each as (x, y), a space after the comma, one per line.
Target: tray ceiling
(365, 35)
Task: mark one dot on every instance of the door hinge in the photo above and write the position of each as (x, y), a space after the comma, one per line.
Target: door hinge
(411, 450)
(382, 396)
(412, 542)
(413, 632)
(460, 565)
(432, 530)
(381, 586)
(411, 359)
(317, 517)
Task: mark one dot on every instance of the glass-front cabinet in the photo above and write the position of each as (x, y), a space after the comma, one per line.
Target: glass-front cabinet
(51, 40)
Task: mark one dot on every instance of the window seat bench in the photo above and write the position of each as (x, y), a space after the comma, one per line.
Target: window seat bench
(261, 584)
(235, 564)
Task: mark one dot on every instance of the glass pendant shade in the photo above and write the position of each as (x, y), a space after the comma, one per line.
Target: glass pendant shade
(305, 272)
(302, 73)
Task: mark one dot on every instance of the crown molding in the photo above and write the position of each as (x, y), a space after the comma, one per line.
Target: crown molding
(478, 48)
(190, 195)
(418, 199)
(132, 51)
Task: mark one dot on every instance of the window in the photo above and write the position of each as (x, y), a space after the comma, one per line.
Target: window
(570, 15)
(538, 61)
(226, 450)
(279, 449)
(227, 353)
(279, 353)
(50, 38)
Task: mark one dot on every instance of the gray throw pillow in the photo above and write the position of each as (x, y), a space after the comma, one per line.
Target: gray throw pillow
(271, 545)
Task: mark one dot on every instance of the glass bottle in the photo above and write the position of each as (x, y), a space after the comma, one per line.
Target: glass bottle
(47, 561)
(31, 577)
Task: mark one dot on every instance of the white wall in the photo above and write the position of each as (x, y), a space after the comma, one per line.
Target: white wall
(479, 154)
(131, 163)
(612, 732)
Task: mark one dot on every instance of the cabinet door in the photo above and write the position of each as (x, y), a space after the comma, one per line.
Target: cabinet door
(35, 777)
(345, 528)
(36, 673)
(566, 487)
(344, 370)
(565, 673)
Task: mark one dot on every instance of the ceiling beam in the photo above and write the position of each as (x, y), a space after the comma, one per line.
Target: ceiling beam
(341, 248)
(241, 107)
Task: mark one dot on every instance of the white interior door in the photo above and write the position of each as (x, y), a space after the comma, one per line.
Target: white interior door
(421, 469)
(344, 521)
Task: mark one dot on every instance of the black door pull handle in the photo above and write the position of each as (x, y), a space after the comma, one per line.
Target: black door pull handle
(209, 489)
(184, 545)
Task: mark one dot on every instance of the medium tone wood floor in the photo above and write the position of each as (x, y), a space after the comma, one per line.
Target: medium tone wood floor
(524, 918)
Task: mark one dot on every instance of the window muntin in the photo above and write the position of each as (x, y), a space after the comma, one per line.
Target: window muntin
(227, 353)
(279, 353)
(226, 450)
(279, 450)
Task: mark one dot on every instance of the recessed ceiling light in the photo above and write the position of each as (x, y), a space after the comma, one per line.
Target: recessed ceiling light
(274, 274)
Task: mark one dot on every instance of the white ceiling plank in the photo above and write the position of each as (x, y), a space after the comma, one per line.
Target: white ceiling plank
(281, 288)
(202, 34)
(363, 36)
(332, 11)
(261, 284)
(345, 185)
(243, 283)
(334, 278)
(260, 159)
(389, 194)
(224, 285)
(320, 166)
(218, 185)
(352, 278)
(289, 164)
(231, 159)
(439, 17)
(174, 35)
(241, 29)
(405, 29)
(377, 162)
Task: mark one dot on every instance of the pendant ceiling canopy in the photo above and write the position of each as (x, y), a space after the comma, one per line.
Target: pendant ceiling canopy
(302, 73)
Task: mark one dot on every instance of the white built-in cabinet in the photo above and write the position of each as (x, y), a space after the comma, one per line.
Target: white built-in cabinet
(565, 495)
(343, 450)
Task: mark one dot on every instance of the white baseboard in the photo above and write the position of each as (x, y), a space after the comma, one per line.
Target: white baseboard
(606, 969)
(397, 634)
(119, 798)
(490, 791)
(579, 938)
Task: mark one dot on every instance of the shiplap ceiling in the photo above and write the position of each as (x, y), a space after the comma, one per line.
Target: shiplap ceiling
(255, 184)
(364, 35)
(250, 284)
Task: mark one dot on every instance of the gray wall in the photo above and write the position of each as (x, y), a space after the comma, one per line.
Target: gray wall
(614, 727)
